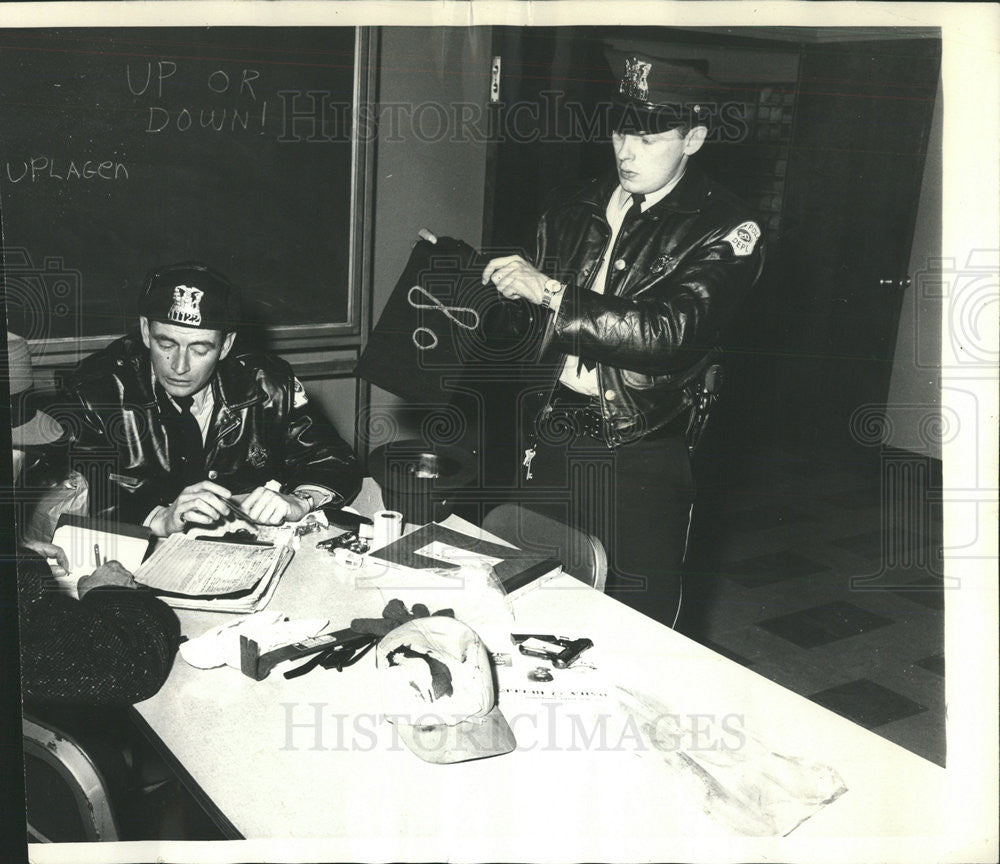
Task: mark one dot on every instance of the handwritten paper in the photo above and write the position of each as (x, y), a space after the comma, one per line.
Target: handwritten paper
(202, 568)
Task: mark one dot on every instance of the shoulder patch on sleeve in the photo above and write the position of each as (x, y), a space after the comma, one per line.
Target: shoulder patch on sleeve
(743, 238)
(299, 397)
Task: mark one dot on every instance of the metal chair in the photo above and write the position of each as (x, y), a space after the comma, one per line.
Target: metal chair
(582, 555)
(67, 798)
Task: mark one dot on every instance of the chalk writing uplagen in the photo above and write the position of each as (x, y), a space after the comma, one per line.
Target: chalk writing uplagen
(78, 95)
(54, 168)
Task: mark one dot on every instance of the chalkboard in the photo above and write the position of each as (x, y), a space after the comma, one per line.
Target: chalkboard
(125, 149)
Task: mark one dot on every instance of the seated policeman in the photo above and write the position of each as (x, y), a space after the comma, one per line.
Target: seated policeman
(188, 424)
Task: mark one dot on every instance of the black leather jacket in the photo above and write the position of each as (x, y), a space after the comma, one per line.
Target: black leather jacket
(262, 429)
(674, 282)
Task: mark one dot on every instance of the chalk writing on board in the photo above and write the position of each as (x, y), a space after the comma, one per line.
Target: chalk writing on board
(215, 119)
(218, 81)
(83, 180)
(163, 79)
(50, 168)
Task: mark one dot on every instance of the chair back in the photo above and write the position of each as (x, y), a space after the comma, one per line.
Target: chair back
(67, 798)
(582, 555)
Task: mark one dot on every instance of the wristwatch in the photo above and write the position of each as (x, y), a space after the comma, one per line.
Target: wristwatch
(304, 496)
(552, 287)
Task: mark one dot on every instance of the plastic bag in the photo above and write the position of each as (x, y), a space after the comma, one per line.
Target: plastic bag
(751, 788)
(71, 495)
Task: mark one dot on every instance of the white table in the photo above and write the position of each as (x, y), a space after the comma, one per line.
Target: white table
(309, 758)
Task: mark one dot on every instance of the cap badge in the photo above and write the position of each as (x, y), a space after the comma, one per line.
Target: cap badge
(186, 308)
(635, 84)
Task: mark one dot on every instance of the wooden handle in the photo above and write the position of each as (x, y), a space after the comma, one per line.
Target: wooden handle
(258, 666)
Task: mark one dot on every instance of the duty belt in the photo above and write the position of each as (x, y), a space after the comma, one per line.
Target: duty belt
(569, 415)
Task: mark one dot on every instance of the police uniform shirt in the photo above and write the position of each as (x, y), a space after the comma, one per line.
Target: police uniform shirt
(575, 376)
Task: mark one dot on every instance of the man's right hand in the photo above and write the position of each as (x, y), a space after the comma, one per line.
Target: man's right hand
(201, 503)
(110, 573)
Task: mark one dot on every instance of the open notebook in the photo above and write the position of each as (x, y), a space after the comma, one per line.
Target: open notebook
(89, 543)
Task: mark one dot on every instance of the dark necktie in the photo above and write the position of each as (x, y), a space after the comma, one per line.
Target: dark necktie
(630, 215)
(190, 456)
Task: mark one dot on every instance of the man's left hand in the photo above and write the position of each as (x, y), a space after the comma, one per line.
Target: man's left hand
(50, 550)
(515, 277)
(272, 508)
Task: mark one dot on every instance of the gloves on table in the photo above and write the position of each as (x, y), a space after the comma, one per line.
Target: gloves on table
(348, 653)
(393, 615)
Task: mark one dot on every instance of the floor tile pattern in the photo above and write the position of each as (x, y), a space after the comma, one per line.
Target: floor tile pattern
(798, 570)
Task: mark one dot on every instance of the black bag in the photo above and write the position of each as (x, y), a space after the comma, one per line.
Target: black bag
(440, 321)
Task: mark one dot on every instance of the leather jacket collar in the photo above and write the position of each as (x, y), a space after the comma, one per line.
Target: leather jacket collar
(233, 384)
(688, 196)
(262, 428)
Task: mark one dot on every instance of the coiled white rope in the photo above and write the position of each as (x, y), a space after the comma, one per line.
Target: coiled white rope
(449, 312)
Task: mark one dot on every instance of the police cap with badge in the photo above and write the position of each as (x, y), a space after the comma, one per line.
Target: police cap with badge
(654, 95)
(191, 295)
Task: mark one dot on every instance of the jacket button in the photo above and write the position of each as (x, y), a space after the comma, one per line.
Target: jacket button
(213, 475)
(619, 264)
(610, 394)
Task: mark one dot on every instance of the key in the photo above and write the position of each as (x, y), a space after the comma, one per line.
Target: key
(529, 454)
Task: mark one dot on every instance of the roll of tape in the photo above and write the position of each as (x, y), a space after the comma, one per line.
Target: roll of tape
(347, 558)
(388, 527)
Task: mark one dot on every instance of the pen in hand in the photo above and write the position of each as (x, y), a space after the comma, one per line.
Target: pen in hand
(97, 555)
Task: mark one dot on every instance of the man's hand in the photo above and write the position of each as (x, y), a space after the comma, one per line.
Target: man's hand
(272, 508)
(110, 573)
(200, 503)
(515, 277)
(50, 550)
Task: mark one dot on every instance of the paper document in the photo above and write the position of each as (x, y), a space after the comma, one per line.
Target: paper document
(435, 547)
(89, 543)
(449, 554)
(205, 568)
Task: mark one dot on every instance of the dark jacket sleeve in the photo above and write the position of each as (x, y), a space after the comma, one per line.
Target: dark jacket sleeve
(94, 419)
(113, 647)
(314, 453)
(681, 313)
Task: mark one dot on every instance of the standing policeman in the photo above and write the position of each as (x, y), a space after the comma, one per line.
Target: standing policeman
(638, 274)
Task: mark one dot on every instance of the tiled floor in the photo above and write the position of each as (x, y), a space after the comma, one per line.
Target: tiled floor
(823, 573)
